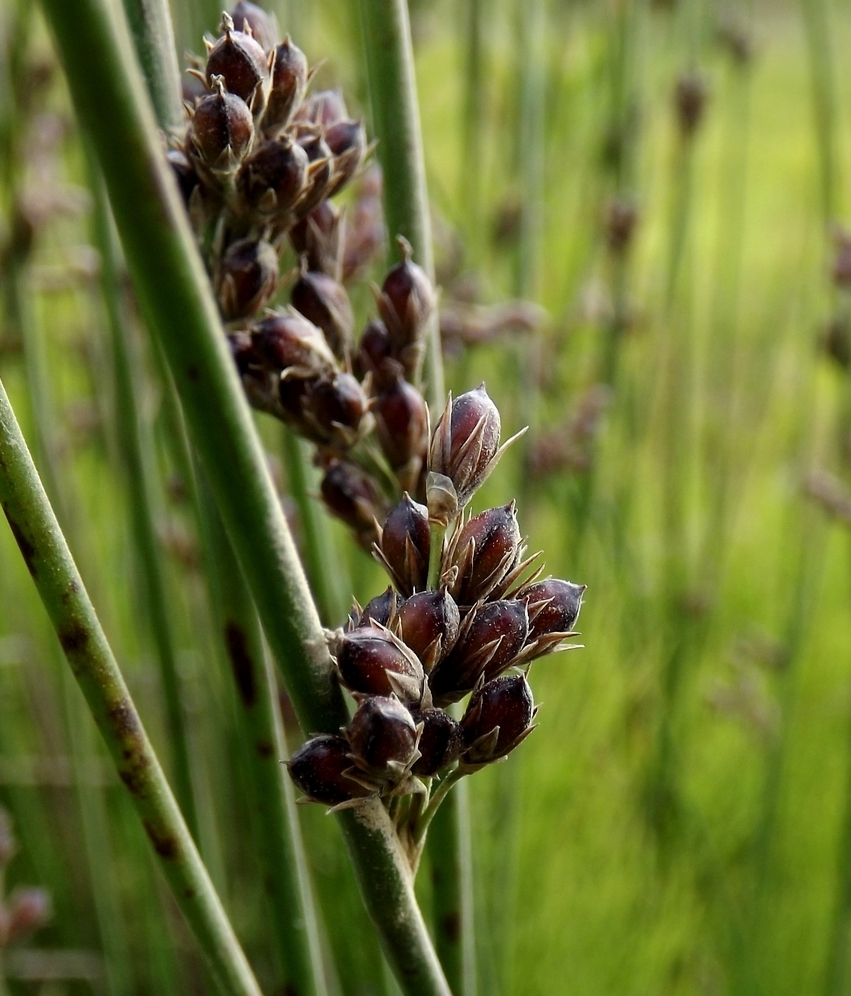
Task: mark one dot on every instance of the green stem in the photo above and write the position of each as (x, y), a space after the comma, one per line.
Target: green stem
(437, 533)
(61, 589)
(150, 23)
(439, 795)
(176, 298)
(396, 122)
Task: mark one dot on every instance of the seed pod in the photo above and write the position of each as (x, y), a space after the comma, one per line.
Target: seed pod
(273, 178)
(324, 108)
(347, 142)
(402, 424)
(351, 495)
(289, 82)
(251, 19)
(404, 545)
(222, 130)
(465, 443)
(428, 623)
(381, 609)
(553, 606)
(373, 661)
(374, 354)
(406, 302)
(325, 303)
(286, 339)
(319, 769)
(260, 383)
(240, 60)
(498, 718)
(184, 173)
(486, 552)
(491, 637)
(383, 737)
(247, 278)
(319, 171)
(316, 239)
(440, 742)
(334, 408)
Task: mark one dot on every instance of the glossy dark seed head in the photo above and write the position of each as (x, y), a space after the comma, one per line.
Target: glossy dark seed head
(324, 108)
(318, 769)
(251, 19)
(553, 606)
(335, 407)
(498, 717)
(487, 550)
(286, 339)
(440, 742)
(184, 173)
(289, 82)
(380, 609)
(402, 423)
(273, 177)
(238, 58)
(428, 623)
(247, 278)
(383, 736)
(325, 302)
(404, 545)
(374, 352)
(351, 495)
(406, 302)
(319, 173)
(316, 238)
(222, 131)
(347, 142)
(365, 658)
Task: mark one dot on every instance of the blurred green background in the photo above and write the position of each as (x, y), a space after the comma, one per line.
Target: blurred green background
(680, 823)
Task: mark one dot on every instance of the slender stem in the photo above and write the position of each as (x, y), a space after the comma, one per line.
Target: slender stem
(61, 589)
(396, 121)
(150, 22)
(437, 533)
(176, 298)
(439, 795)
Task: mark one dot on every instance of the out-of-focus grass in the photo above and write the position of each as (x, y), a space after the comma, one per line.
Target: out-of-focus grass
(735, 891)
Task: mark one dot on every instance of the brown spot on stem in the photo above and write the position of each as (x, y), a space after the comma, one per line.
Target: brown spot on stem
(165, 844)
(241, 662)
(74, 637)
(265, 747)
(450, 926)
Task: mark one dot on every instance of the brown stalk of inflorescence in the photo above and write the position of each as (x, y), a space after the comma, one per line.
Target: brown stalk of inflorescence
(467, 612)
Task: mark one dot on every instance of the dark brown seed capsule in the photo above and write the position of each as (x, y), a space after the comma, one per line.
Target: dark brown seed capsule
(428, 623)
(273, 177)
(490, 639)
(325, 108)
(383, 737)
(316, 238)
(380, 609)
(247, 278)
(222, 131)
(440, 742)
(334, 407)
(553, 606)
(353, 497)
(286, 339)
(325, 302)
(347, 142)
(402, 424)
(404, 545)
(259, 383)
(319, 172)
(319, 767)
(289, 82)
(465, 443)
(406, 302)
(292, 397)
(238, 58)
(374, 352)
(184, 173)
(251, 19)
(498, 718)
(488, 549)
(372, 661)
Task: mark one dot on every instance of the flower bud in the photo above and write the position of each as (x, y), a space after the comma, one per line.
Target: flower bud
(406, 302)
(347, 142)
(383, 737)
(440, 742)
(553, 606)
(319, 769)
(251, 19)
(238, 58)
(272, 179)
(29, 910)
(402, 425)
(374, 354)
(324, 108)
(351, 495)
(490, 639)
(259, 382)
(184, 173)
(428, 623)
(319, 171)
(380, 609)
(374, 662)
(222, 130)
(486, 552)
(404, 545)
(325, 302)
(316, 238)
(286, 339)
(289, 82)
(247, 278)
(465, 442)
(333, 408)
(498, 718)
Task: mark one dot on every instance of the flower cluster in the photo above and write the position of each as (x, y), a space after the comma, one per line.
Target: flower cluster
(461, 618)
(258, 163)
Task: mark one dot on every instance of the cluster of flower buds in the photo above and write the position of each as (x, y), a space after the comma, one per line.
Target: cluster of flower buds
(462, 618)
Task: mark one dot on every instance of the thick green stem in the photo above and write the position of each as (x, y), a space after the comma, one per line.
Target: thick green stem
(396, 122)
(176, 298)
(150, 22)
(60, 586)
